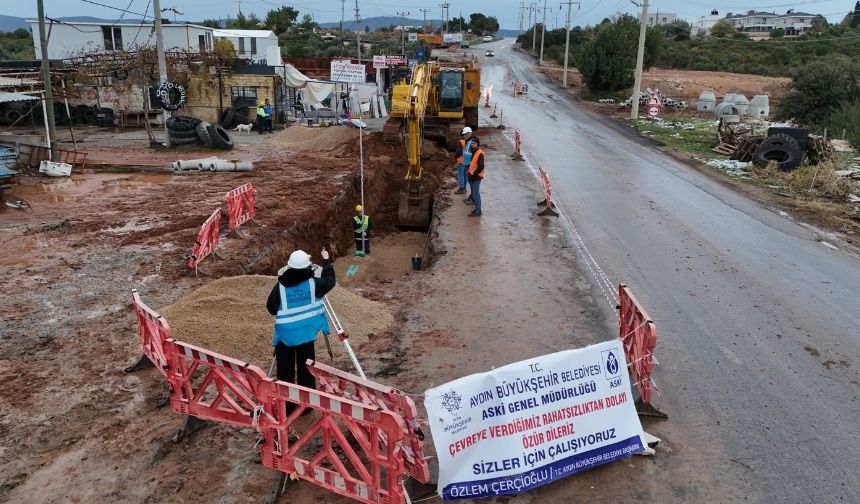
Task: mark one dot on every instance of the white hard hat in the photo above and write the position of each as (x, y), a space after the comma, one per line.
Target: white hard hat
(466, 130)
(299, 260)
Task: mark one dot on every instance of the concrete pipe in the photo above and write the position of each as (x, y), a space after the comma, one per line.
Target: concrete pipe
(230, 166)
(190, 164)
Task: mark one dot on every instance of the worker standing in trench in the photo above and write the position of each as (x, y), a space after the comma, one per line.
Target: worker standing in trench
(296, 303)
(361, 228)
(476, 175)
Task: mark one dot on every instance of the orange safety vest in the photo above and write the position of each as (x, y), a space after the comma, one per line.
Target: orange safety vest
(462, 148)
(474, 164)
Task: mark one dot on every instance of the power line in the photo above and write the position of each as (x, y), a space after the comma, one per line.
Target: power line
(124, 11)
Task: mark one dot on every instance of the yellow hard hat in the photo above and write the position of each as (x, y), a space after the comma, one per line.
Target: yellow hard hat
(358, 208)
(261, 104)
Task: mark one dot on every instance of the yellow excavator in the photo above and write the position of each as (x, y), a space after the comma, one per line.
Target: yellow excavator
(437, 102)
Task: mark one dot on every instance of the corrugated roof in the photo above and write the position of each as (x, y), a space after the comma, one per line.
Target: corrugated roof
(243, 33)
(15, 97)
(14, 81)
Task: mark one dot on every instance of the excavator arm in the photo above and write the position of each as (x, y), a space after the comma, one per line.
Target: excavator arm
(415, 206)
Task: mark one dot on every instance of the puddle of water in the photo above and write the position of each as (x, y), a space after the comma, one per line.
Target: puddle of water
(128, 227)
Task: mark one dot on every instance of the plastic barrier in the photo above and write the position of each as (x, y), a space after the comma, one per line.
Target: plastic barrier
(372, 474)
(520, 88)
(210, 386)
(207, 239)
(518, 155)
(547, 195)
(241, 203)
(639, 335)
(154, 332)
(355, 388)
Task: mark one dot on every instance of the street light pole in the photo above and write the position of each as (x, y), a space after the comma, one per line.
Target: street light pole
(403, 31)
(567, 40)
(542, 32)
(162, 61)
(640, 58)
(48, 104)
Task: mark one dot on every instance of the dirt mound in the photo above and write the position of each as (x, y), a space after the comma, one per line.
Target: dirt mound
(229, 316)
(319, 139)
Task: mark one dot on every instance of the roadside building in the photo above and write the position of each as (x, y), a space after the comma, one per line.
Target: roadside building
(794, 23)
(662, 18)
(704, 24)
(71, 39)
(259, 46)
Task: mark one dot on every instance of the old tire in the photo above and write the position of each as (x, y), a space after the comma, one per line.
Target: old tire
(226, 119)
(781, 148)
(12, 115)
(220, 138)
(182, 123)
(171, 95)
(203, 133)
(184, 140)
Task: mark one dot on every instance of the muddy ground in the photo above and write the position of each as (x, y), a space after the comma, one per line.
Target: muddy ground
(73, 426)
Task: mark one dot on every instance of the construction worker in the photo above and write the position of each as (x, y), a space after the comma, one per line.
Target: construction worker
(361, 227)
(261, 118)
(476, 175)
(267, 121)
(296, 303)
(464, 157)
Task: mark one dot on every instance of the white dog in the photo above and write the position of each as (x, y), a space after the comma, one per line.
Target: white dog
(243, 127)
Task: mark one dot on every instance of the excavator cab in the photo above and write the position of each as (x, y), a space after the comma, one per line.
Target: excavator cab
(449, 87)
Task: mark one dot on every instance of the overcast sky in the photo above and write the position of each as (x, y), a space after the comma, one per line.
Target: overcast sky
(507, 11)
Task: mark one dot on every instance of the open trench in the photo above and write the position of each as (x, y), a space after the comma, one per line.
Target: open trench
(330, 228)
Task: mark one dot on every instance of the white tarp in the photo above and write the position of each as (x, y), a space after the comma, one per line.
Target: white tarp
(527, 424)
(314, 91)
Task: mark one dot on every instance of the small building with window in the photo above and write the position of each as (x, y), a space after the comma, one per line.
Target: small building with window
(259, 46)
(662, 18)
(69, 39)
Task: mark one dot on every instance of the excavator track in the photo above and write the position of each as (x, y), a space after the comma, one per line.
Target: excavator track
(392, 131)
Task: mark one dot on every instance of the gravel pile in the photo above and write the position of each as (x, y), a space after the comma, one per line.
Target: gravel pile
(229, 316)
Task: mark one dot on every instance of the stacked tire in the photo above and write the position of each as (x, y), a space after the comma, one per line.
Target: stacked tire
(782, 149)
(184, 130)
(234, 116)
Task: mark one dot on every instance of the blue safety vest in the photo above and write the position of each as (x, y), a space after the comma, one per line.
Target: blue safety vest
(301, 315)
(467, 153)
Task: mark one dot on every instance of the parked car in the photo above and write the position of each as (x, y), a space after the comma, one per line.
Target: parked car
(489, 53)
(464, 45)
(488, 38)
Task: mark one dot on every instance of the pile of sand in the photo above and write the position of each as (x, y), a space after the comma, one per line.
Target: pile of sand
(229, 316)
(315, 139)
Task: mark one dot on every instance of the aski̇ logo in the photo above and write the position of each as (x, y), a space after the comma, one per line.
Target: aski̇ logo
(451, 401)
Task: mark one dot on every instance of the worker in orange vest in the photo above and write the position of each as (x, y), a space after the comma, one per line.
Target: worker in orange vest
(464, 157)
(476, 175)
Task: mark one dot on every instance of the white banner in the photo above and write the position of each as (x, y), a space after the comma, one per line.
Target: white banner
(527, 424)
(379, 61)
(345, 71)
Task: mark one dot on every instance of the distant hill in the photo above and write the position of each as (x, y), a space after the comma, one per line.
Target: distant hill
(12, 23)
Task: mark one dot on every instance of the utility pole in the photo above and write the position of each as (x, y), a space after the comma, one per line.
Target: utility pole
(534, 27)
(342, 7)
(567, 40)
(424, 11)
(522, 15)
(357, 31)
(640, 58)
(403, 31)
(162, 62)
(542, 32)
(48, 104)
(445, 13)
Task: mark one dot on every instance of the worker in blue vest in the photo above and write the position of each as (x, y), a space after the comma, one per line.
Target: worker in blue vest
(296, 303)
(361, 228)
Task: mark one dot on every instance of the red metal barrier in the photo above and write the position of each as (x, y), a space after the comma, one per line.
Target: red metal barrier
(639, 335)
(547, 195)
(323, 454)
(241, 205)
(355, 388)
(153, 331)
(207, 239)
(210, 386)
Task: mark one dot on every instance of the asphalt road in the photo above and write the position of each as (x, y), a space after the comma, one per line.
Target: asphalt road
(758, 316)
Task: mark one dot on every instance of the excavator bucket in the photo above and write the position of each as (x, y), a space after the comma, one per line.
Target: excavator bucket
(416, 209)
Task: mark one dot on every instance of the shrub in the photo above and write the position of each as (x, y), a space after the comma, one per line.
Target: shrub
(845, 116)
(607, 61)
(818, 89)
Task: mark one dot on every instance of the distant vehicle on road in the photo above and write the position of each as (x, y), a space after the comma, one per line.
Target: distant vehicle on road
(489, 53)
(464, 45)
(488, 38)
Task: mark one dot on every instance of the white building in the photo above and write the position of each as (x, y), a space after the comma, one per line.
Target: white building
(260, 46)
(755, 24)
(70, 39)
(705, 23)
(794, 23)
(661, 18)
